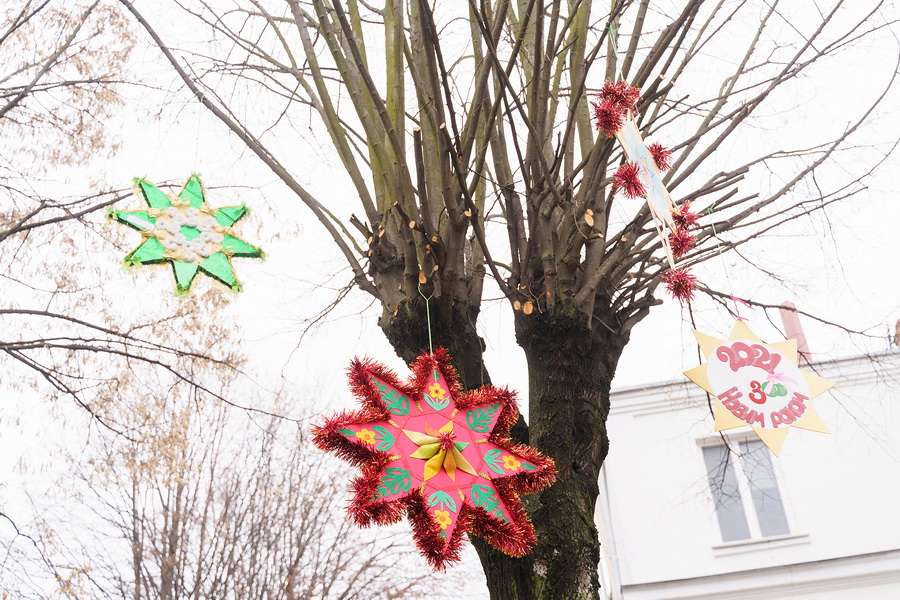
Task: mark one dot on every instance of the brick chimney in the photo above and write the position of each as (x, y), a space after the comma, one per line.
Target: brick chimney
(794, 330)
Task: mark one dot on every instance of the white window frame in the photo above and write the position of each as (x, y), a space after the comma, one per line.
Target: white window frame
(743, 485)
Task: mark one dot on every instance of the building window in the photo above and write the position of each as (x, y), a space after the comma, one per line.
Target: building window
(747, 500)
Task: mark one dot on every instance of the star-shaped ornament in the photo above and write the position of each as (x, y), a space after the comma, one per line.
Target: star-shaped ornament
(186, 232)
(759, 385)
(439, 455)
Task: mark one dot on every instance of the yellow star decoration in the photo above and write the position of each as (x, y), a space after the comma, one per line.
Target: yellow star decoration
(759, 385)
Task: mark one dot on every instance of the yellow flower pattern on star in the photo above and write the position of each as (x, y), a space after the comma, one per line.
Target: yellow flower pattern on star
(436, 391)
(509, 462)
(366, 435)
(443, 518)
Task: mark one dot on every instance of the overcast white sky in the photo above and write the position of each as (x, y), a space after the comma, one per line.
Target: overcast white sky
(837, 265)
(842, 266)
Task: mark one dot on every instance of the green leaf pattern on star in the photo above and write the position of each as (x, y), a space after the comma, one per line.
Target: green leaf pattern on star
(479, 419)
(436, 404)
(394, 481)
(384, 438)
(442, 500)
(484, 497)
(395, 402)
(492, 460)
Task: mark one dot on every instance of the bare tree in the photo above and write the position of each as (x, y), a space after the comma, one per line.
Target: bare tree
(61, 338)
(215, 504)
(61, 67)
(466, 134)
(62, 70)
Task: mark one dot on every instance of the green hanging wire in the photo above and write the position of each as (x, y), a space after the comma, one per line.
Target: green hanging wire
(709, 213)
(428, 317)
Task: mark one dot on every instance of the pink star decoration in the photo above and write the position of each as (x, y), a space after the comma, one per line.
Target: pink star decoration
(441, 455)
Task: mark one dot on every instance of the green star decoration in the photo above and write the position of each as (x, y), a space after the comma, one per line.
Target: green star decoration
(188, 233)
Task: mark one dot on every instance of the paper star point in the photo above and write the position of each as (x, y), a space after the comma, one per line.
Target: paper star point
(758, 385)
(186, 232)
(439, 455)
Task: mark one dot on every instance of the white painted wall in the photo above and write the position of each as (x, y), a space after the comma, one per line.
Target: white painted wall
(841, 494)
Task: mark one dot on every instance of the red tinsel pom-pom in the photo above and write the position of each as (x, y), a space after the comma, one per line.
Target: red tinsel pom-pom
(681, 242)
(622, 95)
(627, 180)
(683, 217)
(607, 117)
(680, 283)
(661, 155)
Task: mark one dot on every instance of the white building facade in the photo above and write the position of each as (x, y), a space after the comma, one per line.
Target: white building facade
(683, 517)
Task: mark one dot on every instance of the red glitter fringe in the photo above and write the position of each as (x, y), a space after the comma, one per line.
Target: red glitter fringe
(514, 538)
(680, 283)
(434, 548)
(326, 436)
(683, 217)
(622, 95)
(662, 156)
(363, 509)
(614, 102)
(681, 242)
(627, 180)
(607, 117)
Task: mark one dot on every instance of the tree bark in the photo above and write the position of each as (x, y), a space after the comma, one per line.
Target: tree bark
(407, 332)
(570, 371)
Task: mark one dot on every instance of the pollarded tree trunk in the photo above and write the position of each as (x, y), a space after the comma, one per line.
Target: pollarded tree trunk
(570, 370)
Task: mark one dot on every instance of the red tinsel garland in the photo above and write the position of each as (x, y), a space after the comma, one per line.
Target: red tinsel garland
(683, 217)
(662, 156)
(607, 117)
(622, 95)
(616, 102)
(522, 470)
(680, 283)
(681, 242)
(627, 180)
